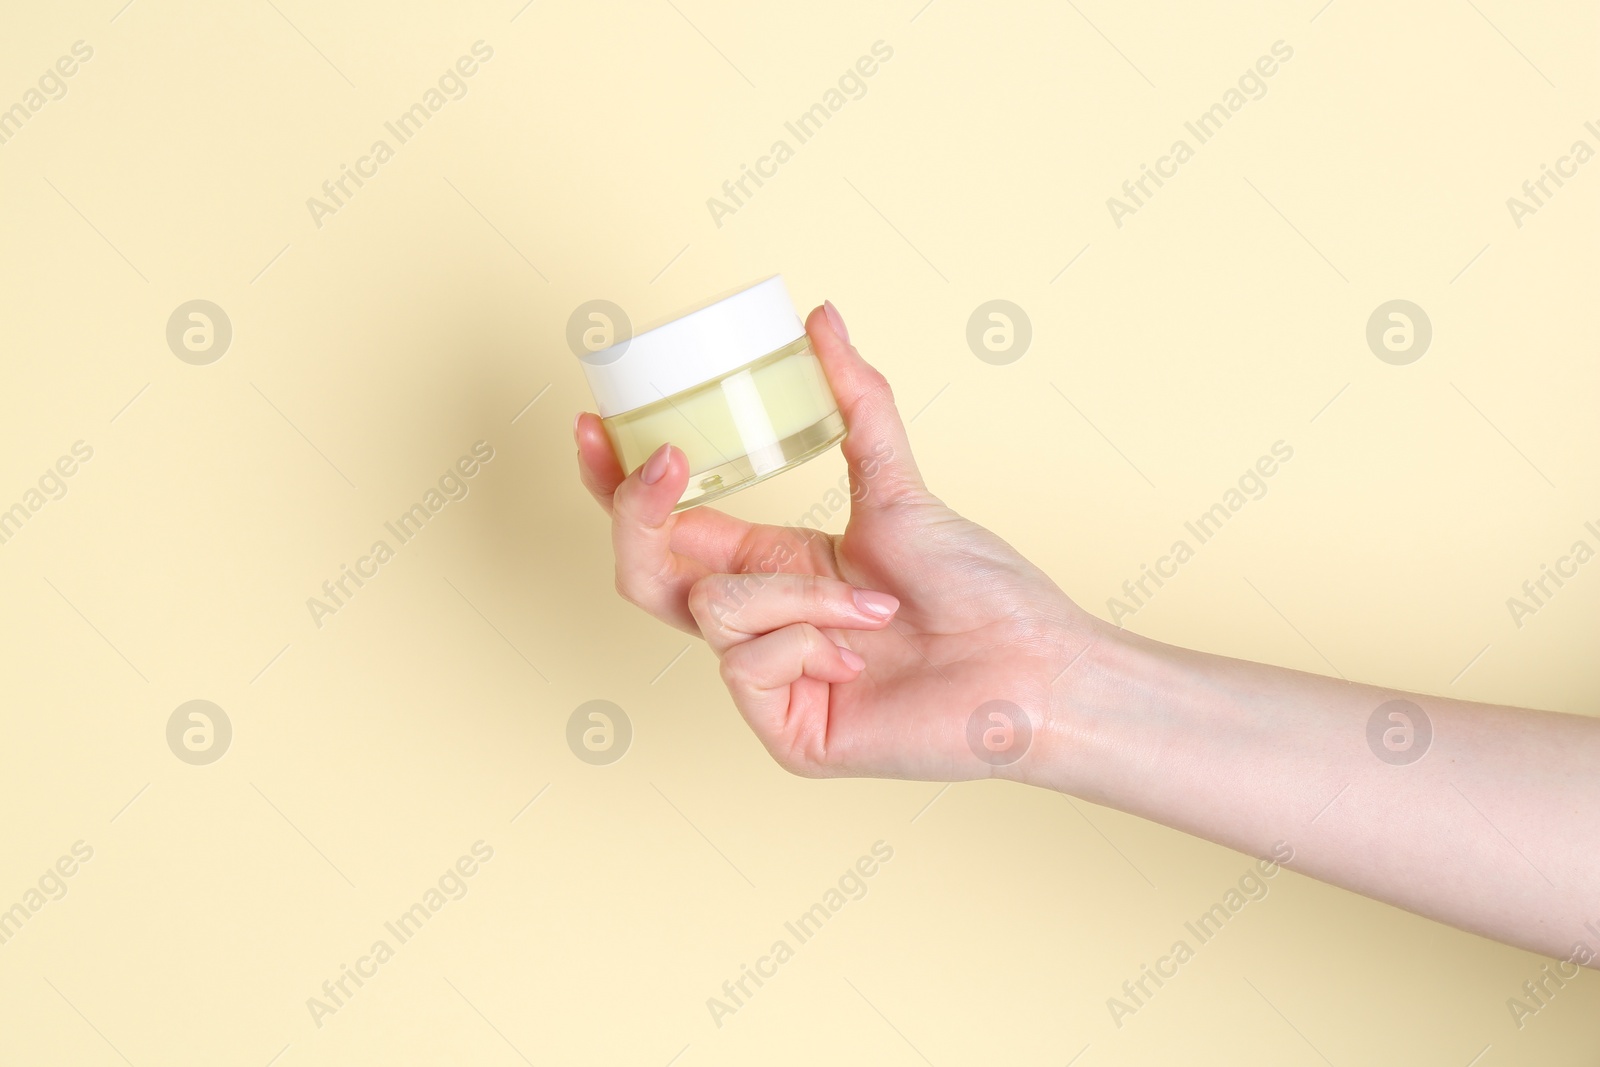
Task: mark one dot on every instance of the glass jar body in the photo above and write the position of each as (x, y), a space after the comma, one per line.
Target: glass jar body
(771, 414)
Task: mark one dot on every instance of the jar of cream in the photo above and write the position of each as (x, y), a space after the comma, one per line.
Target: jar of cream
(734, 385)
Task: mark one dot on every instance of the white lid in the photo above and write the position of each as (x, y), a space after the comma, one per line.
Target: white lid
(698, 347)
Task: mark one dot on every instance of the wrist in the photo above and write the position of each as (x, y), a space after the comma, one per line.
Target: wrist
(1097, 705)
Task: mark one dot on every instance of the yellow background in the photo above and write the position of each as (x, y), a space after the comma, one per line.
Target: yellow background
(370, 353)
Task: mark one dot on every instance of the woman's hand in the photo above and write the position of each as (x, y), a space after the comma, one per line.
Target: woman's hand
(861, 654)
(872, 653)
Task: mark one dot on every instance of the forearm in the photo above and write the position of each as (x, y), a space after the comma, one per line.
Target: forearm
(1494, 829)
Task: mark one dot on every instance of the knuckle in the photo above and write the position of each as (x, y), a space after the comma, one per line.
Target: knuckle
(813, 592)
(733, 589)
(871, 377)
(716, 598)
(800, 756)
(900, 491)
(877, 386)
(810, 640)
(731, 672)
(625, 588)
(704, 600)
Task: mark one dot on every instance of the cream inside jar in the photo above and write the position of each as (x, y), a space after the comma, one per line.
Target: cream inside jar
(734, 385)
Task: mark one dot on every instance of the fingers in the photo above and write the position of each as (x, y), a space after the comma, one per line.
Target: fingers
(877, 448)
(597, 462)
(759, 672)
(649, 574)
(705, 534)
(731, 609)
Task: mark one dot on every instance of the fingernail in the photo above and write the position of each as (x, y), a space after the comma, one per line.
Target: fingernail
(878, 605)
(656, 465)
(836, 321)
(575, 420)
(851, 659)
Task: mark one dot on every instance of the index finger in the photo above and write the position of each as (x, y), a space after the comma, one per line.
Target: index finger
(710, 536)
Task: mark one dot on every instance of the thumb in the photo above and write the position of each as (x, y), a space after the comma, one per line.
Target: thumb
(882, 469)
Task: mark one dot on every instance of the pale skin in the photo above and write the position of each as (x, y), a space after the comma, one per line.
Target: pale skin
(865, 654)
